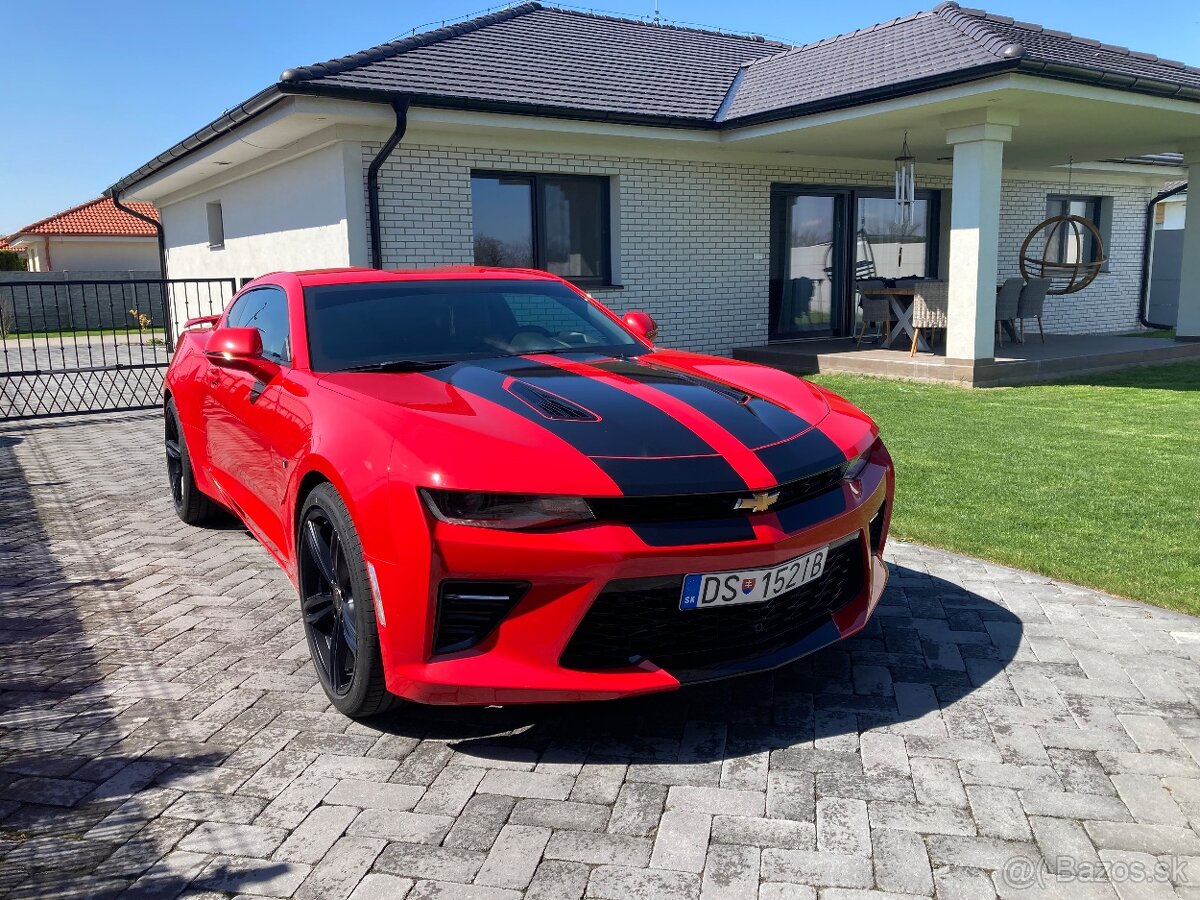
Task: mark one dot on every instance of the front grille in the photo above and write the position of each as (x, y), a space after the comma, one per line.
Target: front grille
(707, 507)
(468, 611)
(640, 618)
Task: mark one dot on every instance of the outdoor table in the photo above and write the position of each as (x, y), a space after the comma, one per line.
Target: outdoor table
(900, 300)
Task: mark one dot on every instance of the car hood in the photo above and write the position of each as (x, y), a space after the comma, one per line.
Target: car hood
(661, 423)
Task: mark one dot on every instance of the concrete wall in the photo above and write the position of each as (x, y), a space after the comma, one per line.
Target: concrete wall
(63, 305)
(298, 214)
(93, 254)
(691, 240)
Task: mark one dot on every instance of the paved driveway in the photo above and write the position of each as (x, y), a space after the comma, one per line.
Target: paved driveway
(161, 732)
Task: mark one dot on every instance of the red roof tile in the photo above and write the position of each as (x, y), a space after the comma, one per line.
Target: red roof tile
(99, 217)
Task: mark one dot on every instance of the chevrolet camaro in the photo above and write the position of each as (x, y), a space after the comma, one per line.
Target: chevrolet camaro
(487, 488)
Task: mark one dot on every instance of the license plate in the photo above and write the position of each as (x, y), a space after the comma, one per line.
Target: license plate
(713, 590)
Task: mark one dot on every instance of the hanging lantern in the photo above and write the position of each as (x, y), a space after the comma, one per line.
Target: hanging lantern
(906, 185)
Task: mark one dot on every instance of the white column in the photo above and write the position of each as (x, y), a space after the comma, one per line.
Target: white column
(1187, 326)
(974, 237)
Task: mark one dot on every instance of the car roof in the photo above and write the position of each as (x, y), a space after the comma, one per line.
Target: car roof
(354, 275)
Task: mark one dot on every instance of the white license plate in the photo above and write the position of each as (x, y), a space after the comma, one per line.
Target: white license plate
(713, 590)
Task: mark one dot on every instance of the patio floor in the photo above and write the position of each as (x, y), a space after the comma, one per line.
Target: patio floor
(1062, 356)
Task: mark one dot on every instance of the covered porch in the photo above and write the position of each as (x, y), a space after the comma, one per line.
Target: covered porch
(997, 155)
(1062, 357)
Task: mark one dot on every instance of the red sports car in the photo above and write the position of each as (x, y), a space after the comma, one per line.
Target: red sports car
(489, 489)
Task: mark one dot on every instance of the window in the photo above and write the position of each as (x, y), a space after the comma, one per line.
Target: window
(393, 321)
(884, 248)
(1061, 246)
(557, 223)
(267, 310)
(216, 226)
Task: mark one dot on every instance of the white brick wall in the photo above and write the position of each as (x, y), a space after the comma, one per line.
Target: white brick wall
(1108, 304)
(694, 237)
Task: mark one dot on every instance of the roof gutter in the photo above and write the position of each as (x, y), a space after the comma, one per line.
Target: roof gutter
(400, 107)
(1148, 257)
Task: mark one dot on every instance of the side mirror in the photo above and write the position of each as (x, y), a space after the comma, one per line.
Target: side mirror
(231, 345)
(642, 324)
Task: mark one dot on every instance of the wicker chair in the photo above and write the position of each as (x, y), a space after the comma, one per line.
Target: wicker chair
(1031, 303)
(1006, 304)
(877, 310)
(929, 310)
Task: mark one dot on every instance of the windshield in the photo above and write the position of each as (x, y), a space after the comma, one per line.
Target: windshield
(361, 325)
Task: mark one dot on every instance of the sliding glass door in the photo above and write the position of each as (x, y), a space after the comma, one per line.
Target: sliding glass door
(826, 239)
(807, 264)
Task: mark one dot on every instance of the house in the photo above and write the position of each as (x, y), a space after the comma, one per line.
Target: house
(721, 182)
(94, 237)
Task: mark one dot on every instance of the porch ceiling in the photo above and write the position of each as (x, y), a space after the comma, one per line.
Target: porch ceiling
(1056, 120)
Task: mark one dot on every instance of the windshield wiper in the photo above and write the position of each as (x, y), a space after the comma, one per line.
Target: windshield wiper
(402, 365)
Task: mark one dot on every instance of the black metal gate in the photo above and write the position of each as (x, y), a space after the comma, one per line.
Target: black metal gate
(94, 346)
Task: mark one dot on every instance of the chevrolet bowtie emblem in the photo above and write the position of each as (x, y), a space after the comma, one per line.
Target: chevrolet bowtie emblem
(757, 502)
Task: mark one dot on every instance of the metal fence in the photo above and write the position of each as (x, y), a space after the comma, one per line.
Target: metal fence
(94, 346)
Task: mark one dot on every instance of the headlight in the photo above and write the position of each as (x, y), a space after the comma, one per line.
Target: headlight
(509, 511)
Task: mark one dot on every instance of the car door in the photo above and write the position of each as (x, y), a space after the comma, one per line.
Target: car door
(243, 417)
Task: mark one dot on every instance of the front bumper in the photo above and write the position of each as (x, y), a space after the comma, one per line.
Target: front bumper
(521, 660)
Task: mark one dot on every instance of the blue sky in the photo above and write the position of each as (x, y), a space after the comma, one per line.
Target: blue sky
(96, 89)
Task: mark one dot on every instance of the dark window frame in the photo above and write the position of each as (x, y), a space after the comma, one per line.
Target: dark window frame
(215, 215)
(537, 182)
(1094, 214)
(846, 212)
(268, 288)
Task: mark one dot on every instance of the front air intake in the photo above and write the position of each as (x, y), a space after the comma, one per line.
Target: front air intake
(469, 611)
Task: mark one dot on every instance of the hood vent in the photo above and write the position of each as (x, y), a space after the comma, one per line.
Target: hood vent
(550, 405)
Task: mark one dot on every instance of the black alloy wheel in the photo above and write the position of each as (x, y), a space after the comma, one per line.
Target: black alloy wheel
(191, 504)
(337, 607)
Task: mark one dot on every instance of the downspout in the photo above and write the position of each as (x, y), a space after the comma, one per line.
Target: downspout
(168, 331)
(1148, 256)
(400, 107)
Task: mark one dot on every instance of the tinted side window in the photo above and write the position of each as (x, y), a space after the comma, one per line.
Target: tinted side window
(265, 309)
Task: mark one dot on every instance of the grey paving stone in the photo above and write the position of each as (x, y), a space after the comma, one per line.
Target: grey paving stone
(682, 841)
(397, 825)
(621, 883)
(600, 849)
(434, 863)
(901, 863)
(816, 868)
(234, 840)
(341, 869)
(319, 831)
(261, 877)
(514, 856)
(557, 879)
(168, 731)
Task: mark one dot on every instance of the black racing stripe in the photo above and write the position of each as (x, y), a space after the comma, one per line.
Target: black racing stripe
(676, 534)
(755, 422)
(641, 447)
(803, 515)
(681, 475)
(801, 457)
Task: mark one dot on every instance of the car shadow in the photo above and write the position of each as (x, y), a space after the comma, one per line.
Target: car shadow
(86, 729)
(930, 643)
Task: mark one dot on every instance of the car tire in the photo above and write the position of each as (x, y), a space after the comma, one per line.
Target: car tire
(337, 607)
(192, 505)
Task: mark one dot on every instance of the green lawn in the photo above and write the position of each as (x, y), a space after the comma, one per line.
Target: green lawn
(1158, 333)
(1096, 481)
(147, 334)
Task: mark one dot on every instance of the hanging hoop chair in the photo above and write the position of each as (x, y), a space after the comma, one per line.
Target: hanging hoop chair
(1071, 271)
(1069, 233)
